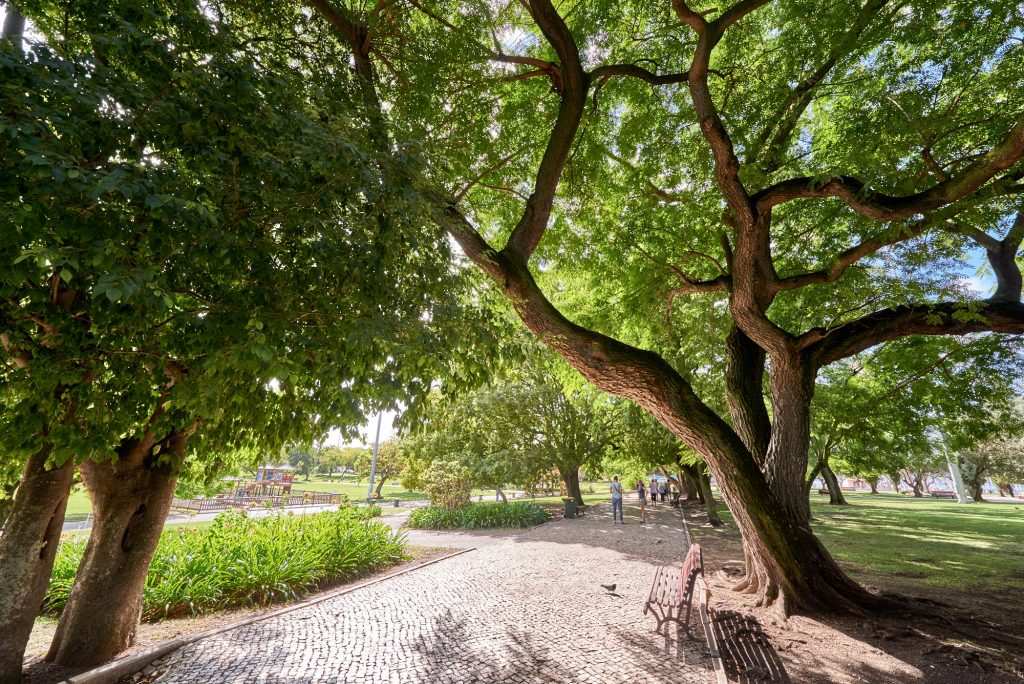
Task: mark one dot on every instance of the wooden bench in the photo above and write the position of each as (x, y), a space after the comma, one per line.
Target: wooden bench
(673, 588)
(943, 494)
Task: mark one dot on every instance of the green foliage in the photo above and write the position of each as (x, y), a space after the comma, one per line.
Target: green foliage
(478, 516)
(448, 483)
(196, 233)
(529, 420)
(247, 561)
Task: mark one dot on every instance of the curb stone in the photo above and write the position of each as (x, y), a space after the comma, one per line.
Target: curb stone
(114, 671)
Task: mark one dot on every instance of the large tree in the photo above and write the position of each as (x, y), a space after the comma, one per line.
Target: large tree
(199, 254)
(816, 170)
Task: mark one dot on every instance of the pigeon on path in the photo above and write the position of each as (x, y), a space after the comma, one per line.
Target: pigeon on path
(609, 587)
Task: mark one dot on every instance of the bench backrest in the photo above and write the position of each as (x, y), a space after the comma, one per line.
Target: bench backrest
(693, 567)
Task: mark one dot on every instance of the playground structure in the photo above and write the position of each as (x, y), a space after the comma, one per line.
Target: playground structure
(272, 487)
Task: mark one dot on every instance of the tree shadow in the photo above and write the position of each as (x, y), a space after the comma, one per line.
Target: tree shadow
(747, 653)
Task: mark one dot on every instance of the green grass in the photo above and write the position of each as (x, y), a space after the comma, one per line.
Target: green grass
(478, 516)
(79, 506)
(925, 541)
(357, 491)
(236, 560)
(906, 544)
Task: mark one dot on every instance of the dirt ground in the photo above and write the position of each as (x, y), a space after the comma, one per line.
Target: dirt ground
(980, 638)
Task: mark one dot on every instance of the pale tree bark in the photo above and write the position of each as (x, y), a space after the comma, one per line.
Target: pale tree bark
(28, 547)
(130, 498)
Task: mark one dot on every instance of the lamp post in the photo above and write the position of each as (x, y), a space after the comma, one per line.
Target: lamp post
(373, 461)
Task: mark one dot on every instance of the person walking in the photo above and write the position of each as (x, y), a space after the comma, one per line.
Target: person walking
(662, 490)
(641, 495)
(654, 491)
(616, 490)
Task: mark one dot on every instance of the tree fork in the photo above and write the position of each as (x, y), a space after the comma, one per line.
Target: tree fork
(131, 498)
(27, 551)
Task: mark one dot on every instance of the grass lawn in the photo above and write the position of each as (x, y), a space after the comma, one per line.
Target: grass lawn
(921, 546)
(913, 542)
(357, 491)
(79, 506)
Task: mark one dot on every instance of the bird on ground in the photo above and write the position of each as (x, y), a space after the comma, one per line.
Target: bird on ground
(609, 587)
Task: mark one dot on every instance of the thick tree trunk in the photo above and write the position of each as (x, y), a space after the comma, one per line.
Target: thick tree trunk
(894, 479)
(1005, 489)
(835, 493)
(27, 549)
(785, 466)
(976, 493)
(501, 493)
(380, 486)
(873, 483)
(709, 500)
(130, 501)
(571, 479)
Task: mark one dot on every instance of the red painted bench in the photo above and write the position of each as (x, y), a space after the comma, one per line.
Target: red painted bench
(673, 588)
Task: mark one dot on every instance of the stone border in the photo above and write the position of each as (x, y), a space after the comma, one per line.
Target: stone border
(113, 671)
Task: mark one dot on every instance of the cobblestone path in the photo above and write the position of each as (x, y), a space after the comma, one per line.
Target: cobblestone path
(527, 608)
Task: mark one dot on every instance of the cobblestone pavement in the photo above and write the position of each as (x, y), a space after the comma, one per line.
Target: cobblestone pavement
(523, 608)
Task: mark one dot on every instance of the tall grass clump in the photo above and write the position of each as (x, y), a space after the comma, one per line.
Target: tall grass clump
(478, 516)
(240, 561)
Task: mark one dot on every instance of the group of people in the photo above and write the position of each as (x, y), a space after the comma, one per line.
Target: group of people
(655, 490)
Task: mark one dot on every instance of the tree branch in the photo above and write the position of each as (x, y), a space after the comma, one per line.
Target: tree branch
(527, 233)
(607, 71)
(944, 318)
(882, 207)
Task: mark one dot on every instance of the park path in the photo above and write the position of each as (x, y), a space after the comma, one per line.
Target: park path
(519, 607)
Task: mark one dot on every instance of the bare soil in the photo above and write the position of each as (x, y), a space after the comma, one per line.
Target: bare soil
(976, 638)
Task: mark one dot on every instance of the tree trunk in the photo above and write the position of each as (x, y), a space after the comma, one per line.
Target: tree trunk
(380, 486)
(894, 479)
(27, 550)
(709, 500)
(690, 485)
(812, 477)
(571, 478)
(130, 501)
(835, 493)
(501, 493)
(976, 492)
(873, 483)
(1005, 489)
(785, 466)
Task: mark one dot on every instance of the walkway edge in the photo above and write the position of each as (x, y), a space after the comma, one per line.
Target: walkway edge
(113, 671)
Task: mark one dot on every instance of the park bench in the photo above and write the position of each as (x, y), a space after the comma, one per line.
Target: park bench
(943, 494)
(673, 588)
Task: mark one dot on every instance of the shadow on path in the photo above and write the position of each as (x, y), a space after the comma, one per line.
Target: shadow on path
(748, 655)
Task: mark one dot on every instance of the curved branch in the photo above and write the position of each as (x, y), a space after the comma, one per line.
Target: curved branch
(883, 207)
(527, 234)
(944, 318)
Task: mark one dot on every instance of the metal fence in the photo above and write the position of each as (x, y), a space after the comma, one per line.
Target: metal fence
(225, 502)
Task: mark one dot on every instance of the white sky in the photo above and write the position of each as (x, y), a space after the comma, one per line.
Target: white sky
(367, 431)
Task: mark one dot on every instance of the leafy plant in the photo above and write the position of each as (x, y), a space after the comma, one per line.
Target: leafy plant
(478, 516)
(248, 561)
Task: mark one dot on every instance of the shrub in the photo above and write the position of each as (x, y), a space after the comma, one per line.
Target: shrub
(478, 516)
(448, 484)
(244, 561)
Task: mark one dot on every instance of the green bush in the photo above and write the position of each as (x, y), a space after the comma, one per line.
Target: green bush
(244, 561)
(478, 516)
